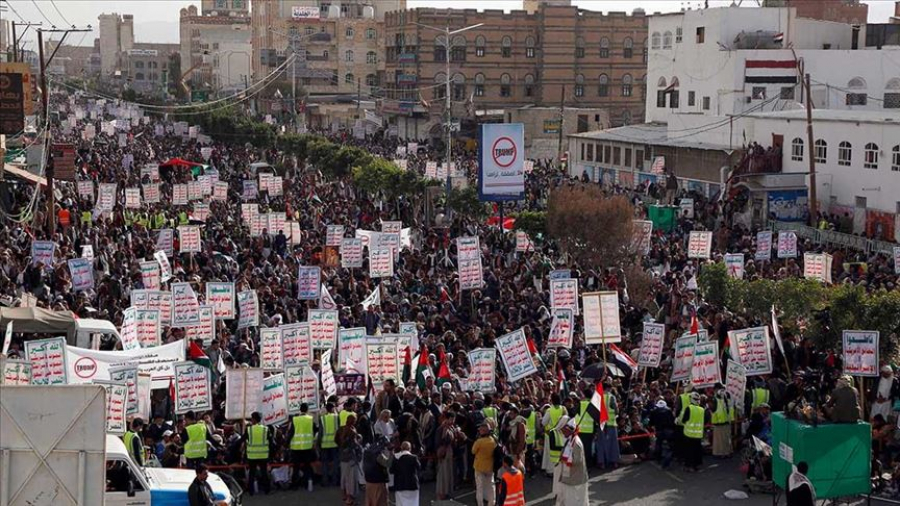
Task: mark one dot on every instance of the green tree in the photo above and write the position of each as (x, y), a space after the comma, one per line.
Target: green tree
(465, 202)
(533, 223)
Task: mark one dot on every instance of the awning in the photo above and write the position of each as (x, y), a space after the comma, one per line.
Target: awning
(24, 174)
(35, 320)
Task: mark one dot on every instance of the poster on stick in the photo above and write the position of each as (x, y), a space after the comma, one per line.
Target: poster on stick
(684, 357)
(861, 352)
(481, 376)
(191, 387)
(705, 370)
(244, 387)
(48, 361)
(561, 329)
(751, 349)
(517, 359)
(274, 400)
(601, 318)
(652, 344)
(295, 343)
(302, 387)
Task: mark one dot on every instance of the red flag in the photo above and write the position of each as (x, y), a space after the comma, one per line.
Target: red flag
(407, 359)
(531, 347)
(597, 407)
(444, 370)
(695, 324)
(445, 297)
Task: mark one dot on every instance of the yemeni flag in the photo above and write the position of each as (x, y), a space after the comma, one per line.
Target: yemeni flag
(407, 366)
(422, 370)
(597, 407)
(196, 354)
(623, 359)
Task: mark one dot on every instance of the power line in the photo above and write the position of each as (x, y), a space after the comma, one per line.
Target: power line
(53, 3)
(42, 14)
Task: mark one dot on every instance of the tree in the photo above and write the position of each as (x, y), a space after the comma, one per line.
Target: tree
(591, 228)
(465, 202)
(533, 223)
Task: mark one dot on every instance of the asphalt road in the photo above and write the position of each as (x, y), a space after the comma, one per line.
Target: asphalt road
(643, 484)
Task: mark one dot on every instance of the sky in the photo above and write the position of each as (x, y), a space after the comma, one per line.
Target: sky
(157, 20)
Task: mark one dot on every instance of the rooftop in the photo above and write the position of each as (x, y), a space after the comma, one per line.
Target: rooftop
(648, 133)
(839, 115)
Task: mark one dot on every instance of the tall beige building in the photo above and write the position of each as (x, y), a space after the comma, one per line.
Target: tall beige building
(215, 47)
(116, 36)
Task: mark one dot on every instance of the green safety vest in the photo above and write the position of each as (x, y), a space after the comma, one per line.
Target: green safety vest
(303, 433)
(345, 414)
(723, 413)
(258, 444)
(329, 430)
(531, 428)
(559, 442)
(685, 402)
(556, 412)
(195, 448)
(86, 217)
(610, 402)
(491, 412)
(693, 429)
(128, 439)
(160, 221)
(128, 219)
(586, 422)
(760, 396)
(182, 218)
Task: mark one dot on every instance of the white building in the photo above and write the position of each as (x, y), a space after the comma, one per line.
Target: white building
(216, 52)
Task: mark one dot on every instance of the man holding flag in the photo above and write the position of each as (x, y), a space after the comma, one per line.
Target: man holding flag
(572, 489)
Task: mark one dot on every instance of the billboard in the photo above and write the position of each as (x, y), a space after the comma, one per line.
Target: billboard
(12, 114)
(501, 162)
(300, 12)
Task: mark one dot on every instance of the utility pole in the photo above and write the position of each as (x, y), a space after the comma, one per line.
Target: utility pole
(16, 39)
(813, 204)
(358, 95)
(562, 119)
(447, 49)
(294, 41)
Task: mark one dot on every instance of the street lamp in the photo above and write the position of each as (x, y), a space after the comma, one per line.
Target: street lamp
(448, 46)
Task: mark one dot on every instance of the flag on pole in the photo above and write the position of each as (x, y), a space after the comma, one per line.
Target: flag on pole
(407, 366)
(776, 332)
(374, 299)
(443, 375)
(197, 355)
(695, 324)
(623, 359)
(422, 370)
(597, 407)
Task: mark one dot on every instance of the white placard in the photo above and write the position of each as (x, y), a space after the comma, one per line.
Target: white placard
(151, 193)
(129, 332)
(302, 387)
(564, 294)
(248, 309)
(699, 244)
(382, 361)
(686, 208)
(179, 194)
(220, 191)
(48, 361)
(15, 372)
(148, 327)
(751, 349)
(295, 343)
(206, 329)
(736, 384)
(381, 263)
(734, 264)
(132, 198)
(643, 233)
(683, 359)
(309, 282)
(189, 238)
(652, 344)
(523, 243)
(328, 383)
(517, 359)
(192, 391)
(787, 244)
(150, 276)
(116, 406)
(271, 350)
(82, 273)
(561, 328)
(817, 266)
(334, 235)
(185, 307)
(244, 387)
(861, 352)
(501, 173)
(705, 370)
(323, 328)
(42, 253)
(351, 253)
(601, 318)
(274, 402)
(165, 241)
(220, 295)
(482, 370)
(896, 259)
(351, 353)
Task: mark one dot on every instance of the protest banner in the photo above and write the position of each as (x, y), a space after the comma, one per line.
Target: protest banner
(787, 245)
(220, 191)
(642, 234)
(323, 328)
(206, 329)
(116, 406)
(523, 242)
(128, 332)
(699, 244)
(861, 352)
(382, 361)
(220, 295)
(351, 253)
(200, 212)
(763, 245)
(328, 381)
(42, 253)
(273, 400)
(516, 358)
(817, 266)
(471, 275)
(189, 239)
(309, 282)
(736, 384)
(482, 374)
(192, 382)
(334, 235)
(271, 352)
(248, 309)
(127, 375)
(148, 327)
(652, 344)
(106, 201)
(751, 349)
(381, 263)
(295, 344)
(352, 349)
(601, 318)
(132, 198)
(82, 273)
(564, 294)
(15, 372)
(179, 194)
(165, 241)
(561, 328)
(391, 227)
(85, 366)
(734, 265)
(185, 307)
(683, 359)
(705, 370)
(244, 387)
(86, 190)
(302, 388)
(349, 385)
(151, 193)
(150, 277)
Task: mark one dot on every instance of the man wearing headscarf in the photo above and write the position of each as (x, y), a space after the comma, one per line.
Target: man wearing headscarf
(844, 402)
(883, 393)
(573, 476)
(800, 491)
(553, 452)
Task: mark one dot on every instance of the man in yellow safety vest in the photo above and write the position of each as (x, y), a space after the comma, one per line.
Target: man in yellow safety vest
(302, 435)
(586, 427)
(134, 442)
(195, 436)
(257, 441)
(329, 455)
(693, 421)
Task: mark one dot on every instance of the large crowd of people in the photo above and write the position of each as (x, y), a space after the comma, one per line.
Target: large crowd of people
(427, 431)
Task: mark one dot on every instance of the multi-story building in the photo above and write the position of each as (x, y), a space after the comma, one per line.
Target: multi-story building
(552, 55)
(116, 36)
(5, 37)
(73, 61)
(215, 46)
(853, 12)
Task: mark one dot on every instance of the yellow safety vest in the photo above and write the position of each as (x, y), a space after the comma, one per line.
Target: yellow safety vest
(258, 444)
(182, 218)
(531, 428)
(723, 413)
(195, 448)
(345, 414)
(556, 412)
(693, 429)
(329, 430)
(760, 397)
(491, 412)
(610, 408)
(685, 402)
(559, 442)
(86, 217)
(128, 439)
(303, 433)
(586, 422)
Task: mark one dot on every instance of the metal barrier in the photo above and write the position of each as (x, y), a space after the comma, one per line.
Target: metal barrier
(832, 238)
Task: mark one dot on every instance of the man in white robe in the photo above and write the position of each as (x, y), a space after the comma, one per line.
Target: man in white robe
(572, 481)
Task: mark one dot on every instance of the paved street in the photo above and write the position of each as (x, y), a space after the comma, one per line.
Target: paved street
(639, 485)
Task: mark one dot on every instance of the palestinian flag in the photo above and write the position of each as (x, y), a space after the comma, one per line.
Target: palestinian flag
(695, 324)
(422, 370)
(597, 407)
(407, 367)
(196, 354)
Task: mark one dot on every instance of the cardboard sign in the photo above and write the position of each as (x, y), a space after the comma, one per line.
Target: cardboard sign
(206, 329)
(652, 344)
(523, 243)
(48, 361)
(817, 266)
(42, 253)
(561, 328)
(564, 294)
(334, 235)
(323, 328)
(516, 358)
(351, 253)
(116, 406)
(295, 344)
(482, 369)
(128, 332)
(787, 244)
(684, 357)
(189, 238)
(150, 276)
(642, 238)
(82, 273)
(185, 307)
(309, 282)
(248, 309)
(471, 275)
(192, 392)
(132, 198)
(151, 193)
(148, 327)
(220, 295)
(382, 362)
(271, 352)
(179, 194)
(705, 370)
(751, 349)
(328, 380)
(736, 385)
(601, 318)
(699, 244)
(244, 387)
(861, 352)
(302, 388)
(381, 263)
(734, 264)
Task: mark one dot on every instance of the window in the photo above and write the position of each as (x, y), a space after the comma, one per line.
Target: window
(237, 4)
(644, 50)
(372, 80)
(479, 46)
(579, 47)
(440, 90)
(440, 51)
(627, 155)
(892, 94)
(871, 159)
(607, 154)
(667, 40)
(678, 32)
(459, 87)
(638, 159)
(458, 49)
(673, 100)
(348, 56)
(529, 85)
(787, 93)
(705, 103)
(603, 85)
(590, 153)
(627, 83)
(845, 153)
(529, 47)
(579, 85)
(857, 92)
(506, 47)
(371, 34)
(139, 76)
(371, 57)
(628, 48)
(692, 99)
(758, 93)
(349, 79)
(821, 152)
(138, 64)
(895, 159)
(655, 40)
(308, 30)
(617, 155)
(479, 85)
(797, 149)
(505, 87)
(701, 35)
(604, 48)
(349, 32)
